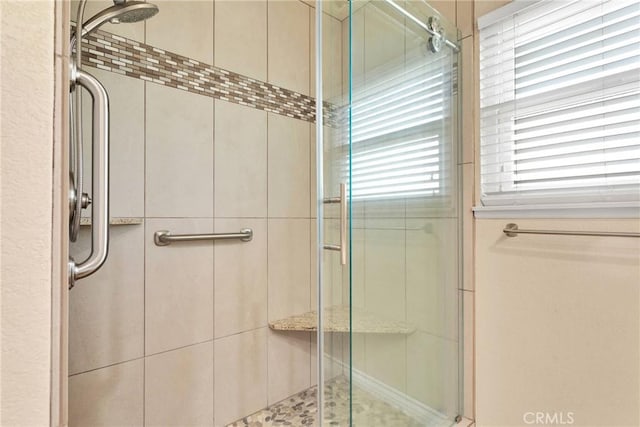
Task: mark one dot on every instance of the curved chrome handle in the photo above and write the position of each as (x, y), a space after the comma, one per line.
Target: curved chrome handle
(100, 184)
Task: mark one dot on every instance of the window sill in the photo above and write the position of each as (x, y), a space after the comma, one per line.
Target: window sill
(592, 210)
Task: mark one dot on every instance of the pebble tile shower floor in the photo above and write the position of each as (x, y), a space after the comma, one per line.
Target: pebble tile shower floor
(301, 410)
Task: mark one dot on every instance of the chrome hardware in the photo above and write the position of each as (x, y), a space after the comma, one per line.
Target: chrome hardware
(342, 247)
(426, 27)
(71, 272)
(76, 156)
(72, 197)
(436, 41)
(512, 230)
(100, 190)
(165, 238)
(85, 200)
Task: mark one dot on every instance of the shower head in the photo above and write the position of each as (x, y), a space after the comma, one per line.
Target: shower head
(122, 11)
(128, 11)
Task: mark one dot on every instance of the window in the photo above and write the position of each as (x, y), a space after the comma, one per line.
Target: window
(399, 129)
(560, 103)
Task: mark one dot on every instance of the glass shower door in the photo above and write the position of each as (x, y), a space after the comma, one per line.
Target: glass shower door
(391, 315)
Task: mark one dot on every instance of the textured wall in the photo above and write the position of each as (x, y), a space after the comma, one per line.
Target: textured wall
(26, 175)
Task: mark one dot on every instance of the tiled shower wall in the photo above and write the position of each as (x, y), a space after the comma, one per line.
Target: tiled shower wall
(178, 335)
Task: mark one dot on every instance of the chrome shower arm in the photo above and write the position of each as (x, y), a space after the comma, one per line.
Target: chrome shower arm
(100, 181)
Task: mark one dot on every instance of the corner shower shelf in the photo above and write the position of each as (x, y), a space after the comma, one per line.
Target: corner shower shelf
(336, 319)
(115, 221)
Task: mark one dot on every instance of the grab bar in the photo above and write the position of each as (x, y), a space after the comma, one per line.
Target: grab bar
(100, 190)
(165, 238)
(512, 230)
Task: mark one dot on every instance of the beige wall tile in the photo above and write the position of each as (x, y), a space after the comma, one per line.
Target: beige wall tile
(240, 161)
(313, 341)
(333, 356)
(179, 150)
(332, 57)
(334, 159)
(313, 182)
(385, 268)
(126, 175)
(134, 31)
(183, 27)
(240, 278)
(106, 310)
(432, 366)
(289, 243)
(333, 285)
(179, 387)
(432, 276)
(178, 287)
(468, 100)
(289, 364)
(288, 29)
(358, 265)
(108, 397)
(241, 37)
(240, 369)
(313, 255)
(386, 359)
(383, 42)
(446, 7)
(288, 169)
(565, 307)
(357, 48)
(359, 352)
(312, 50)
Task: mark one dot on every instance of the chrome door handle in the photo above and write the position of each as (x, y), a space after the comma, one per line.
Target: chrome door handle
(100, 181)
(342, 247)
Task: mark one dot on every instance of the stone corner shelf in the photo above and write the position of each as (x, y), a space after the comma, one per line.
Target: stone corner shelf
(337, 320)
(115, 221)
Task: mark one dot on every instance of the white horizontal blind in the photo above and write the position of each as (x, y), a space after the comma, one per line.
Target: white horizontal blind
(560, 104)
(397, 129)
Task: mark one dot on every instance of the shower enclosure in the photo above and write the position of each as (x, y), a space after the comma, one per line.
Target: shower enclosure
(320, 139)
(391, 135)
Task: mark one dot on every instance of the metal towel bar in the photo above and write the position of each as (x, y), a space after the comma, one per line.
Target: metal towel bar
(165, 238)
(512, 230)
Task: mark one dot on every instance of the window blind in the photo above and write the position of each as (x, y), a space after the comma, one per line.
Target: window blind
(398, 129)
(560, 104)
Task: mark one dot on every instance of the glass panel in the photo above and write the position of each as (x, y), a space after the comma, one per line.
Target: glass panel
(400, 159)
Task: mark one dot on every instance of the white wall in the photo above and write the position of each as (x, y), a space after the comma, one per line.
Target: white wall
(27, 101)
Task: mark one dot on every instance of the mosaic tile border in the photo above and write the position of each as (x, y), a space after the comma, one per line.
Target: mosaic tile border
(117, 54)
